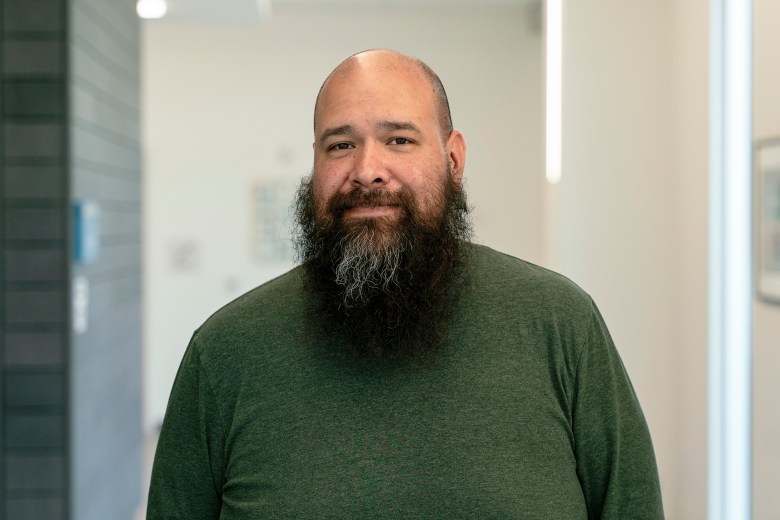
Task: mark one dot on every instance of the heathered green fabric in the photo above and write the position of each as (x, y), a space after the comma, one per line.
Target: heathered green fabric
(526, 412)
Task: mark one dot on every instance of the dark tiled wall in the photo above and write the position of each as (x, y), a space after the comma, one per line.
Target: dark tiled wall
(34, 462)
(70, 435)
(105, 367)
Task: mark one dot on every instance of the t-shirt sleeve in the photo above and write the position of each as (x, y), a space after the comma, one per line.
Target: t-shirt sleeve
(615, 460)
(187, 475)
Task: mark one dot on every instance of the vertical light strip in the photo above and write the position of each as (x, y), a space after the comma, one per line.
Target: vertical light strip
(730, 260)
(554, 88)
(264, 9)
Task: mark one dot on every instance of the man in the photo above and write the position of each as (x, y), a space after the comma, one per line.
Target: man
(401, 371)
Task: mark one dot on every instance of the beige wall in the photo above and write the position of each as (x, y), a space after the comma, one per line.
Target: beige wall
(618, 167)
(634, 220)
(633, 215)
(690, 35)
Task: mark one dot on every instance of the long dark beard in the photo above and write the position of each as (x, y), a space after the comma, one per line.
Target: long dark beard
(384, 286)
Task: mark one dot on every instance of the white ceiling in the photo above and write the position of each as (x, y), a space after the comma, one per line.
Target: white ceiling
(253, 11)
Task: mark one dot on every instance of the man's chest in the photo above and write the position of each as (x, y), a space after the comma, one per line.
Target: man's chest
(401, 448)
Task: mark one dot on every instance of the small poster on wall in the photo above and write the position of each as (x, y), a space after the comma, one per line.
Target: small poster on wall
(271, 225)
(767, 204)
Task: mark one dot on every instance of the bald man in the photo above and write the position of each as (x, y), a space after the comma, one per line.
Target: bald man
(401, 371)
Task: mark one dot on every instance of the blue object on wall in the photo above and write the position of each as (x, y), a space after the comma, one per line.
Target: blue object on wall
(86, 231)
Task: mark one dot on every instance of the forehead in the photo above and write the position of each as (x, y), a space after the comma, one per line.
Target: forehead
(376, 89)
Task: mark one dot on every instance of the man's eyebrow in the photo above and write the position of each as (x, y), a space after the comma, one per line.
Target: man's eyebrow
(383, 125)
(337, 130)
(399, 125)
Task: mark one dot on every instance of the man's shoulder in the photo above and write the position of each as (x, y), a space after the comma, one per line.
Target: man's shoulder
(511, 270)
(512, 279)
(271, 302)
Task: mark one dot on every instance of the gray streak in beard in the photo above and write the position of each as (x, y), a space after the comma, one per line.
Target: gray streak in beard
(368, 263)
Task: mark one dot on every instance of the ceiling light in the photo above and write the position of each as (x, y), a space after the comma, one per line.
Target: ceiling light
(149, 9)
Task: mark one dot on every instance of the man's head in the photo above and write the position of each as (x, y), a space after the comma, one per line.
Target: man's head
(380, 123)
(443, 104)
(383, 215)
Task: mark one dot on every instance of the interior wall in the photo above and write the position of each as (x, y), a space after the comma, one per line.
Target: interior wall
(229, 108)
(766, 316)
(105, 417)
(633, 211)
(70, 436)
(635, 220)
(34, 402)
(691, 147)
(661, 72)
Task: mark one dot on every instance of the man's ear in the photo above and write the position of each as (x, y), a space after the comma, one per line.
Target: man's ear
(456, 155)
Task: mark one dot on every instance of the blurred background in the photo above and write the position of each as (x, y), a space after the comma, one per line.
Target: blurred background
(148, 167)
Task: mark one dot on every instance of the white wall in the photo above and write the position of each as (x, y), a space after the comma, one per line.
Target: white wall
(226, 106)
(766, 317)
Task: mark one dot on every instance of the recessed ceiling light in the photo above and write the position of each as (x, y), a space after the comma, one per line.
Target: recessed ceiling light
(150, 9)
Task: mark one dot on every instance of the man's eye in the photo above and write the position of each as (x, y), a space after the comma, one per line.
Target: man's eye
(340, 146)
(400, 140)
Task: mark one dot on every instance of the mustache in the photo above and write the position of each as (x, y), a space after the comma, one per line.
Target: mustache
(362, 198)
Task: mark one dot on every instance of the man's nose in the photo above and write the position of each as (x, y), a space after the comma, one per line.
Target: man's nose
(370, 168)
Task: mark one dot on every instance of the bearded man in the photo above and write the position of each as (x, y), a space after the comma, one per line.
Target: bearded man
(401, 371)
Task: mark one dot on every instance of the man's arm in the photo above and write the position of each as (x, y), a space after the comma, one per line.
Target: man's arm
(615, 460)
(187, 475)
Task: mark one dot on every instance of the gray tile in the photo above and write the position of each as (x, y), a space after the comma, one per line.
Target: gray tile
(33, 98)
(34, 431)
(34, 223)
(34, 182)
(31, 389)
(31, 349)
(105, 184)
(44, 265)
(119, 85)
(100, 33)
(113, 222)
(35, 508)
(38, 473)
(95, 145)
(120, 18)
(34, 15)
(25, 57)
(89, 106)
(34, 307)
(34, 140)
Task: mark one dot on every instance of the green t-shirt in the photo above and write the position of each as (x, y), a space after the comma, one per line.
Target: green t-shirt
(526, 412)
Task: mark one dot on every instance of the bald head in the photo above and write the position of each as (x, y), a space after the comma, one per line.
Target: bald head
(390, 60)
